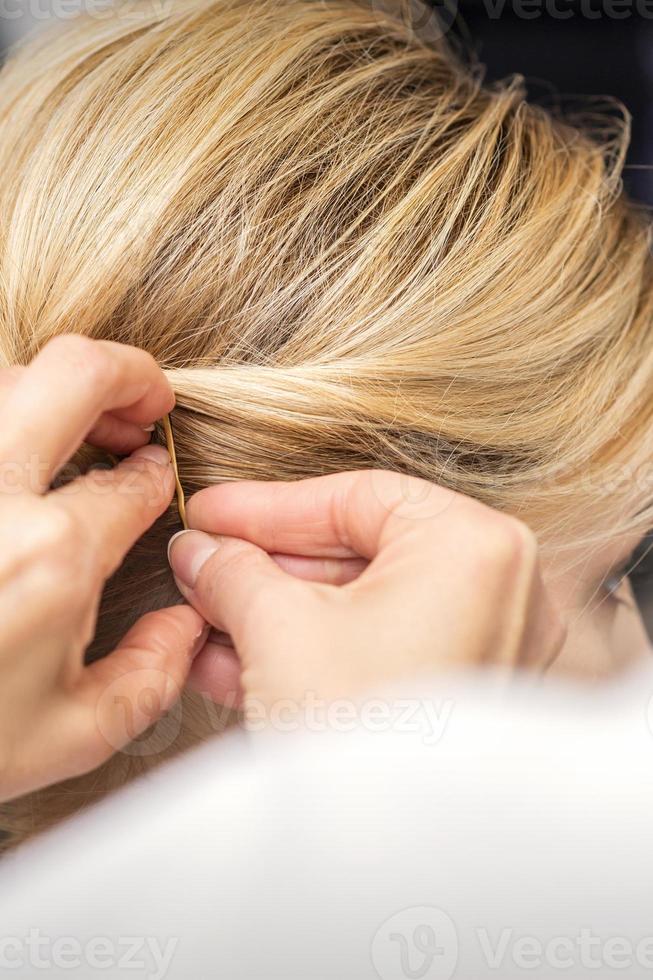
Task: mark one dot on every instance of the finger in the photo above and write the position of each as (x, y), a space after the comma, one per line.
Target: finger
(109, 432)
(234, 584)
(70, 384)
(115, 507)
(216, 673)
(290, 518)
(338, 516)
(118, 436)
(333, 571)
(330, 571)
(132, 688)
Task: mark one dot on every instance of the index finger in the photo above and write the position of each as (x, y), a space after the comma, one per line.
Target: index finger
(342, 515)
(64, 391)
(109, 432)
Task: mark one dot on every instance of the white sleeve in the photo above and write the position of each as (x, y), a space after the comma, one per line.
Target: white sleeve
(479, 837)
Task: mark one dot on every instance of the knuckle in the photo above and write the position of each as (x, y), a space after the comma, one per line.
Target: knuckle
(521, 541)
(229, 559)
(166, 632)
(509, 548)
(152, 485)
(73, 346)
(98, 368)
(62, 550)
(57, 532)
(87, 356)
(65, 590)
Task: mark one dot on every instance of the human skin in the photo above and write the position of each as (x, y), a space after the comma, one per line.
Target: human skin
(436, 567)
(376, 578)
(58, 717)
(332, 586)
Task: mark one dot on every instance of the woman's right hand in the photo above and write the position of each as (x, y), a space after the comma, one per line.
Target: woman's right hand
(375, 577)
(58, 717)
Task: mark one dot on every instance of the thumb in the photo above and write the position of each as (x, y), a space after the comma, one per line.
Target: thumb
(133, 687)
(234, 585)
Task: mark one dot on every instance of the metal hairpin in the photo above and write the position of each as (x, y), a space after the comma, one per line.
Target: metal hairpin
(170, 444)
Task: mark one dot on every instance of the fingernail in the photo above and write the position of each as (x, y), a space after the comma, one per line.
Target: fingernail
(148, 428)
(156, 454)
(187, 552)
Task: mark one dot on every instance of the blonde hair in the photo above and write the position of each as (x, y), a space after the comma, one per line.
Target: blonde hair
(346, 251)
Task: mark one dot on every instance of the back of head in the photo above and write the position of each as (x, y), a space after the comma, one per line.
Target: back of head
(346, 250)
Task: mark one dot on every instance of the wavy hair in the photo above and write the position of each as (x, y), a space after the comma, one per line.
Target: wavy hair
(346, 250)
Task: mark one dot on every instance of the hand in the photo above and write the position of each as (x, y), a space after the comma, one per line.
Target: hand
(59, 718)
(339, 584)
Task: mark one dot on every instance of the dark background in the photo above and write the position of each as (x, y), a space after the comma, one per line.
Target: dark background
(588, 53)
